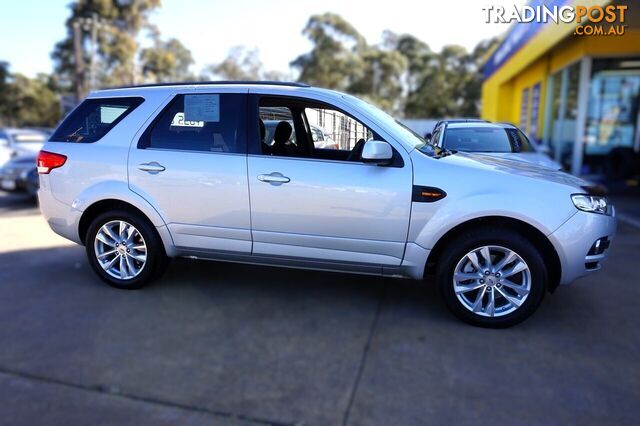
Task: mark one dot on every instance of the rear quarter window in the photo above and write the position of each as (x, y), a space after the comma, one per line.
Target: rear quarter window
(94, 118)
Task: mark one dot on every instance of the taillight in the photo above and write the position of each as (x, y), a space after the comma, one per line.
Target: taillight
(48, 161)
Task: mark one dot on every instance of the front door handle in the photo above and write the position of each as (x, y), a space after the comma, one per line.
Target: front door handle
(152, 167)
(274, 178)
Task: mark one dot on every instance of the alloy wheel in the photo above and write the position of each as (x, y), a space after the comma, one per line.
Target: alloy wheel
(120, 249)
(492, 281)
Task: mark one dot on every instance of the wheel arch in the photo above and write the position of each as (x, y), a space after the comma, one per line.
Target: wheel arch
(542, 243)
(102, 206)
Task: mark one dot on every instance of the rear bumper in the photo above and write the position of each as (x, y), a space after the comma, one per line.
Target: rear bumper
(62, 218)
(575, 239)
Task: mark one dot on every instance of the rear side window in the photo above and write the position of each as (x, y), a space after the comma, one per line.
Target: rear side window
(200, 122)
(94, 118)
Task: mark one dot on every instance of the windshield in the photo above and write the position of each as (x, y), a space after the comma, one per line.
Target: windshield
(486, 139)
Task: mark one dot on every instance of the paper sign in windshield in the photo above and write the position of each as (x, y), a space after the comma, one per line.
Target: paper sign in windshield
(202, 108)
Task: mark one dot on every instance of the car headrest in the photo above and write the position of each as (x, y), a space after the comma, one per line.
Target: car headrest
(282, 133)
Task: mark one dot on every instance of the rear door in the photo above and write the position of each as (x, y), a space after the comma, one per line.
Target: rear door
(190, 163)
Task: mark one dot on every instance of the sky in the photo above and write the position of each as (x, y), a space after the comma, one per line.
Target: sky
(210, 28)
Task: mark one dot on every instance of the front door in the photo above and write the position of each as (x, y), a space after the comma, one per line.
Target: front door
(191, 165)
(324, 204)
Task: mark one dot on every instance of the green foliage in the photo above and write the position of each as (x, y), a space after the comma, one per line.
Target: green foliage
(120, 23)
(241, 64)
(336, 59)
(166, 61)
(27, 101)
(379, 80)
(401, 75)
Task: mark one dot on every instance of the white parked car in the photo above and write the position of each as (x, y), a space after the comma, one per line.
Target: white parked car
(142, 174)
(493, 139)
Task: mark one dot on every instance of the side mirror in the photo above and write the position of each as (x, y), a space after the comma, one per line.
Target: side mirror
(427, 136)
(377, 152)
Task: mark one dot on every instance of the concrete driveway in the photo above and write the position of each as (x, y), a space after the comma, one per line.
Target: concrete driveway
(228, 344)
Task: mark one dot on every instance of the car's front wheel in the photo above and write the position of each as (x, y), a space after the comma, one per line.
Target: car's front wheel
(124, 250)
(492, 277)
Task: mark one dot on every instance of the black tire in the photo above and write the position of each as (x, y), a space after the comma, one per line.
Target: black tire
(465, 243)
(156, 259)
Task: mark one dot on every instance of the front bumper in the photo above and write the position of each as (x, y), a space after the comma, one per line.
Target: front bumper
(574, 242)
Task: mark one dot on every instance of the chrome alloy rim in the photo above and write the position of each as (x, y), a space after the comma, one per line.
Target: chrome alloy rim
(120, 249)
(492, 281)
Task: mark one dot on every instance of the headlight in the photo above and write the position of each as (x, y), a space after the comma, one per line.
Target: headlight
(590, 203)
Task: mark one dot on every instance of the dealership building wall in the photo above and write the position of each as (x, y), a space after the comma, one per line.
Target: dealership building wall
(577, 94)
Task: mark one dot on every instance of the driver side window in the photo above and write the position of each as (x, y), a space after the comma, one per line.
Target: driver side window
(298, 128)
(339, 130)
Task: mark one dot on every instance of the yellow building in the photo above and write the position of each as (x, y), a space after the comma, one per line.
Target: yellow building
(577, 94)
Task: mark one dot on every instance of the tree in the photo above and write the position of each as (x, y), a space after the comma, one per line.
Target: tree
(241, 64)
(335, 60)
(381, 78)
(27, 101)
(473, 88)
(4, 74)
(119, 23)
(166, 61)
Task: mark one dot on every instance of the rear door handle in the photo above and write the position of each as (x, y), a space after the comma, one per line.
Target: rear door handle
(274, 178)
(152, 167)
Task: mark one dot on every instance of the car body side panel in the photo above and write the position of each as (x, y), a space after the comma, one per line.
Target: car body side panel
(334, 210)
(203, 197)
(65, 218)
(479, 192)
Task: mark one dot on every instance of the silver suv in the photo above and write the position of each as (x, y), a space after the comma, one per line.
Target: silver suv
(142, 174)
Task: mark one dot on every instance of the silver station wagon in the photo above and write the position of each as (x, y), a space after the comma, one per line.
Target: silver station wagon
(142, 174)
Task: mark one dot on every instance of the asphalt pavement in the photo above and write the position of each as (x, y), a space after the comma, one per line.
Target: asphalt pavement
(230, 344)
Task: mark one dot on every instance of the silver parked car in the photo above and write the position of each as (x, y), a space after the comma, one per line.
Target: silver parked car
(142, 174)
(20, 143)
(20, 175)
(493, 139)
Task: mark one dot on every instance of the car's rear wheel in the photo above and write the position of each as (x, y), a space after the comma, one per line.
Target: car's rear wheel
(125, 250)
(492, 278)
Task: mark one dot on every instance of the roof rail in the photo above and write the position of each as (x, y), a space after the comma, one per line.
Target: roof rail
(198, 83)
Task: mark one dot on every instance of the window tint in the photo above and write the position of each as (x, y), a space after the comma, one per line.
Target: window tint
(200, 122)
(484, 139)
(333, 129)
(93, 119)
